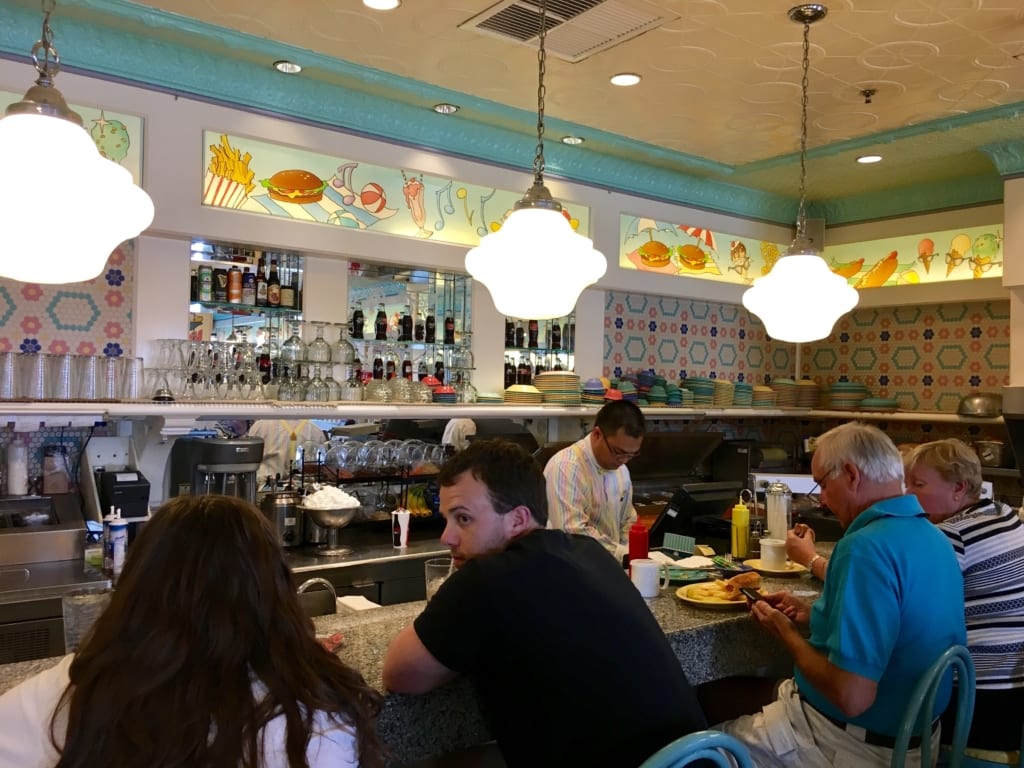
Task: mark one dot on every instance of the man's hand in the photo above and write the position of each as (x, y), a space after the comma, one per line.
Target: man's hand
(792, 608)
(800, 544)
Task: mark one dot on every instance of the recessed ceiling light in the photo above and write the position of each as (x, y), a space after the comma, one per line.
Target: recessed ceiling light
(444, 108)
(382, 5)
(625, 79)
(573, 140)
(288, 67)
(868, 159)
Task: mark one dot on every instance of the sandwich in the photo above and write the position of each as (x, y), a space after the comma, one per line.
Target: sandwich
(654, 254)
(295, 186)
(691, 256)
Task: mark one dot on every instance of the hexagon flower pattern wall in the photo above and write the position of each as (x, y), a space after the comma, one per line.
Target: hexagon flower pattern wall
(926, 357)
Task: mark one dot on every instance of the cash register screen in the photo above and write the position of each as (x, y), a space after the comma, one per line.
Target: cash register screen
(696, 509)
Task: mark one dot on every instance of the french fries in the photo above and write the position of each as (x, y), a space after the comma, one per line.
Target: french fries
(229, 163)
(727, 590)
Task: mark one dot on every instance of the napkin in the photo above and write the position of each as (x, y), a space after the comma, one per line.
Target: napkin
(694, 561)
(356, 603)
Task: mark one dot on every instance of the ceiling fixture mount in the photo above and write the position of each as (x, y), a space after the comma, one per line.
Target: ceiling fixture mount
(536, 266)
(287, 67)
(41, 137)
(869, 159)
(801, 298)
(573, 141)
(868, 94)
(625, 79)
(446, 108)
(382, 5)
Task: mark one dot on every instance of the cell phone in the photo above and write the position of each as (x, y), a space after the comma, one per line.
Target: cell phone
(751, 593)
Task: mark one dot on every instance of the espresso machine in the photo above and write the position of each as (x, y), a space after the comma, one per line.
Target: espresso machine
(204, 465)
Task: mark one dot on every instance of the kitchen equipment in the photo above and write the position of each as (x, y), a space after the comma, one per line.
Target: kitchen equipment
(333, 520)
(990, 452)
(39, 529)
(126, 490)
(981, 404)
(283, 510)
(205, 465)
(779, 515)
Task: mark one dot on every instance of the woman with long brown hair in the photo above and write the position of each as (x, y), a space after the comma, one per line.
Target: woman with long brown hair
(202, 659)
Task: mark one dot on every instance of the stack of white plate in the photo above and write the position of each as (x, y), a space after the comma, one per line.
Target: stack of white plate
(807, 393)
(558, 387)
(489, 397)
(786, 390)
(763, 397)
(523, 394)
(846, 395)
(723, 393)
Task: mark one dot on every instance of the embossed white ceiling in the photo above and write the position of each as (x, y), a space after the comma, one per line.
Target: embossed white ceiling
(720, 78)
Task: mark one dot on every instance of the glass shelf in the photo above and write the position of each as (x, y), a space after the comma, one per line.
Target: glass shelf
(230, 308)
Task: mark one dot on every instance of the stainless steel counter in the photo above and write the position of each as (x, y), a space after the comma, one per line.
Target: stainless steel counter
(369, 546)
(40, 581)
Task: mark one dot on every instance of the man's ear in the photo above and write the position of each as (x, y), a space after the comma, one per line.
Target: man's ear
(851, 472)
(518, 520)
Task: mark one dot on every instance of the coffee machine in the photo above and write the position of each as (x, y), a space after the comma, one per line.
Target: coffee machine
(204, 465)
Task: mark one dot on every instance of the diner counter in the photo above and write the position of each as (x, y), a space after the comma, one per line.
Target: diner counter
(710, 644)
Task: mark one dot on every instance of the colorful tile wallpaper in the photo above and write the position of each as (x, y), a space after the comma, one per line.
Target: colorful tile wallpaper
(90, 318)
(926, 357)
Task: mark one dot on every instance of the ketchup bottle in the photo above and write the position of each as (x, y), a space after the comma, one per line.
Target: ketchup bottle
(637, 541)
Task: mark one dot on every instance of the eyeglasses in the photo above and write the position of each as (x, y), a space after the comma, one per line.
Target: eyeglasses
(618, 453)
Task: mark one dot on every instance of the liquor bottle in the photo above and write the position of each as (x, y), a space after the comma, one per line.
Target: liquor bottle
(356, 329)
(519, 334)
(380, 324)
(273, 286)
(193, 285)
(287, 288)
(556, 335)
(248, 288)
(532, 334)
(234, 291)
(449, 329)
(430, 335)
(261, 283)
(405, 334)
(510, 333)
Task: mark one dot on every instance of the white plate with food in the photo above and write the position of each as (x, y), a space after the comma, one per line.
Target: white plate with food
(791, 569)
(720, 594)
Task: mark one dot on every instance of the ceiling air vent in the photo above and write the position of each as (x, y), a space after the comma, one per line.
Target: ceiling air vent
(577, 29)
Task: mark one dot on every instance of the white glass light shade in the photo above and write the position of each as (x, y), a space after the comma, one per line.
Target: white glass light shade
(535, 266)
(64, 208)
(800, 299)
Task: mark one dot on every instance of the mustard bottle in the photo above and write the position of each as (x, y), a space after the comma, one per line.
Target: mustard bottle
(740, 529)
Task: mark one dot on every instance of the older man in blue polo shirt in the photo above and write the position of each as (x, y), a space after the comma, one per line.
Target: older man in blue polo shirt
(890, 605)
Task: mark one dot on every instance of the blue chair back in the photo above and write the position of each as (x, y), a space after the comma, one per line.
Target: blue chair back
(917, 719)
(701, 745)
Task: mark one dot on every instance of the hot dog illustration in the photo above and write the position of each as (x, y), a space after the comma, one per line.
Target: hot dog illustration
(879, 273)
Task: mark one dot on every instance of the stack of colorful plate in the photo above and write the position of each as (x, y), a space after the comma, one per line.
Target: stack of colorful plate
(657, 394)
(846, 395)
(612, 394)
(786, 390)
(628, 390)
(743, 394)
(593, 392)
(523, 394)
(674, 395)
(558, 387)
(886, 404)
(724, 392)
(807, 393)
(763, 397)
(703, 389)
(445, 395)
(489, 397)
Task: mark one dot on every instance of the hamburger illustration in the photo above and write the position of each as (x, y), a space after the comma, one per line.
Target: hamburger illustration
(295, 186)
(654, 254)
(691, 256)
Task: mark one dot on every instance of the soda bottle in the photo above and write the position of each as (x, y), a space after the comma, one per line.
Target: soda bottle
(430, 332)
(556, 335)
(519, 334)
(380, 324)
(449, 330)
(532, 334)
(356, 331)
(406, 325)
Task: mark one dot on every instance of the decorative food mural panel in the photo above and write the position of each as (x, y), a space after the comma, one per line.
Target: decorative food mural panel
(277, 180)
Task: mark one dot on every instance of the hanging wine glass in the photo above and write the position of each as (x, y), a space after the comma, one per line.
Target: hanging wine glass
(334, 391)
(316, 390)
(319, 350)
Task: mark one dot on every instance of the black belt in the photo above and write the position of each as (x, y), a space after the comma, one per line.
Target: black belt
(870, 737)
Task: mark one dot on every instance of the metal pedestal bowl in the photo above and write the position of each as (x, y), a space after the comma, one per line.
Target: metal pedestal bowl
(333, 520)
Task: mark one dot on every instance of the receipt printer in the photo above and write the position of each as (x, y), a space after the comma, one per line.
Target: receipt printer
(125, 489)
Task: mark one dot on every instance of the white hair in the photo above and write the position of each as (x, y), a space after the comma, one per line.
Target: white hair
(865, 446)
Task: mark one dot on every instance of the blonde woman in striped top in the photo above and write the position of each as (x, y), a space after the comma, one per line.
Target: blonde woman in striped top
(988, 538)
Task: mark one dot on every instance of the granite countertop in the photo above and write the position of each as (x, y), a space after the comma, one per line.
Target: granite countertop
(710, 644)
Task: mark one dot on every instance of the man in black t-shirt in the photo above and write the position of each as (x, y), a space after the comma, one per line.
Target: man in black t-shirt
(570, 666)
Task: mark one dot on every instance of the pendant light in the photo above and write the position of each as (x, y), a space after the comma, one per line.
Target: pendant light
(64, 208)
(536, 266)
(801, 298)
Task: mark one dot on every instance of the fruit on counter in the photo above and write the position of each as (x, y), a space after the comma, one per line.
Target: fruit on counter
(426, 468)
(879, 273)
(417, 501)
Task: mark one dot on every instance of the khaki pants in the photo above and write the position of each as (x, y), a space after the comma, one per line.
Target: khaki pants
(788, 733)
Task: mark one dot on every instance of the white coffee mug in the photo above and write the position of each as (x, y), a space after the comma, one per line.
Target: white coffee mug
(773, 554)
(649, 576)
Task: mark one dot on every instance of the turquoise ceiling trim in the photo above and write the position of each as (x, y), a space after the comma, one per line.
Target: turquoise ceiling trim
(906, 201)
(1008, 157)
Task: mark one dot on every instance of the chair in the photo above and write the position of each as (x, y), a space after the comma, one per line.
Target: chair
(701, 745)
(917, 719)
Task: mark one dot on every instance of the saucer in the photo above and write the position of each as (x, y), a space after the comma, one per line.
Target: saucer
(791, 569)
